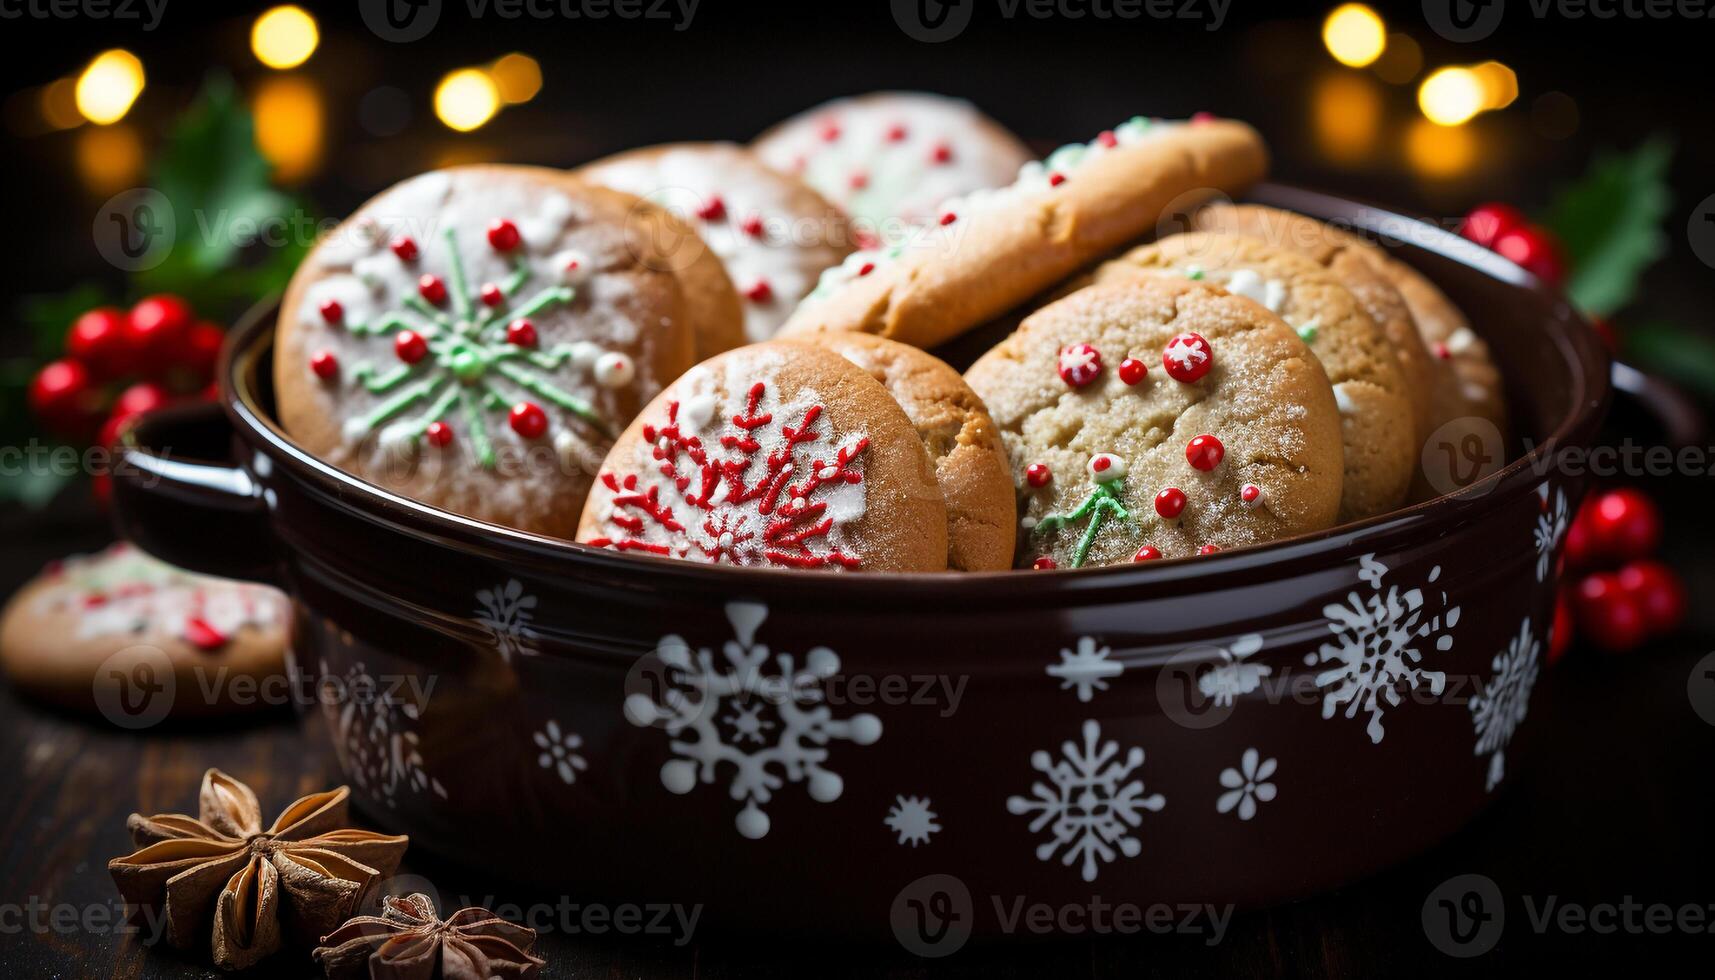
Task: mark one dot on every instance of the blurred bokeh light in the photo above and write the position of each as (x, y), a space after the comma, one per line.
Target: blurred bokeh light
(1354, 34)
(109, 85)
(289, 126)
(466, 99)
(284, 37)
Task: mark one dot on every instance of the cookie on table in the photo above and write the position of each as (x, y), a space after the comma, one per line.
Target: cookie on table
(893, 155)
(773, 234)
(1357, 264)
(1378, 424)
(990, 252)
(475, 338)
(59, 636)
(773, 455)
(970, 461)
(1161, 418)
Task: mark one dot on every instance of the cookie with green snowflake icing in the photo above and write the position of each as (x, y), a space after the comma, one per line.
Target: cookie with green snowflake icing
(476, 337)
(1160, 418)
(776, 455)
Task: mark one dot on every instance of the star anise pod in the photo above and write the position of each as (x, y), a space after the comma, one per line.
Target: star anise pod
(410, 941)
(303, 875)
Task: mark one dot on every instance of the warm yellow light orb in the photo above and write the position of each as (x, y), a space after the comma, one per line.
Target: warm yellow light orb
(288, 113)
(109, 85)
(1440, 152)
(517, 76)
(1354, 34)
(284, 37)
(1451, 96)
(466, 99)
(1500, 84)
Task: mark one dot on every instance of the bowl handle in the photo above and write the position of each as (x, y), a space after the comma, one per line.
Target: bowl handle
(194, 512)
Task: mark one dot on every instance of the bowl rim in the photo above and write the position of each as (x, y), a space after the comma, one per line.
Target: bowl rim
(1575, 340)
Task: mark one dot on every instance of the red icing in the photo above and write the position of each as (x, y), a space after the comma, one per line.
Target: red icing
(324, 364)
(1208, 549)
(1187, 357)
(1107, 138)
(896, 134)
(1442, 352)
(830, 132)
(1250, 493)
(199, 634)
(410, 346)
(1056, 179)
(1204, 452)
(866, 268)
(949, 218)
(760, 292)
(405, 247)
(528, 420)
(1044, 564)
(859, 180)
(332, 311)
(521, 333)
(1170, 503)
(714, 209)
(1038, 474)
(942, 153)
(1146, 553)
(1079, 364)
(491, 295)
(432, 289)
(503, 235)
(752, 226)
(1133, 371)
(439, 434)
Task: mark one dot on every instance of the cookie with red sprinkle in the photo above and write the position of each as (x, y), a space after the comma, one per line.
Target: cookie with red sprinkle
(772, 232)
(476, 337)
(892, 157)
(123, 631)
(1236, 443)
(776, 455)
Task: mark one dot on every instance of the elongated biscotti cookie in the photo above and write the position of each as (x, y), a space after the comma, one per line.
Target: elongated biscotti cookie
(989, 252)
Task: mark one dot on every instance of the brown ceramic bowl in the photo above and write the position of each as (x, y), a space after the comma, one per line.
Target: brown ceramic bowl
(771, 743)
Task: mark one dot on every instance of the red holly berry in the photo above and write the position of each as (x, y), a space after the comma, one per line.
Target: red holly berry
(439, 434)
(60, 396)
(1204, 452)
(1658, 591)
(405, 247)
(1133, 371)
(154, 328)
(752, 226)
(431, 288)
(1208, 549)
(521, 333)
(112, 429)
(1146, 553)
(200, 349)
(760, 292)
(1485, 222)
(144, 396)
(714, 209)
(1038, 475)
(503, 235)
(98, 339)
(332, 312)
(1187, 357)
(491, 294)
(528, 420)
(1535, 250)
(1560, 634)
(1623, 524)
(410, 346)
(1079, 364)
(324, 364)
(1608, 614)
(1170, 503)
(1044, 564)
(1249, 494)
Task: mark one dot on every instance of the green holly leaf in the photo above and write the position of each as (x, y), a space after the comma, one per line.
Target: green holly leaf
(47, 317)
(1685, 356)
(1610, 223)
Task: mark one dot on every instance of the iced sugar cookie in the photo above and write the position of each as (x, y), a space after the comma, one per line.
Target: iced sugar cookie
(1160, 418)
(1378, 424)
(893, 155)
(988, 253)
(97, 631)
(771, 231)
(476, 337)
(963, 443)
(773, 455)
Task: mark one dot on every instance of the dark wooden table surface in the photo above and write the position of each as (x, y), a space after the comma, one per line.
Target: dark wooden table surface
(1618, 811)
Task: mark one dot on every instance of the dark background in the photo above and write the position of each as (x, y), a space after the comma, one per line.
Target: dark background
(1619, 805)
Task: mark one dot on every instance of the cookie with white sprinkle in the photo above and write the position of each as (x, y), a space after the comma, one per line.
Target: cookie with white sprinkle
(773, 234)
(474, 338)
(1377, 422)
(990, 252)
(963, 443)
(774, 455)
(123, 630)
(1161, 418)
(893, 157)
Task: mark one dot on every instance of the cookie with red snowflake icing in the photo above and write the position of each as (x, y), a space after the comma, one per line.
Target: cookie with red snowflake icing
(774, 234)
(964, 444)
(475, 338)
(891, 158)
(992, 251)
(88, 626)
(1377, 422)
(772, 456)
(1160, 418)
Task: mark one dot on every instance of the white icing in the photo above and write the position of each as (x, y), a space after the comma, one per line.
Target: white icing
(1343, 400)
(125, 592)
(1271, 293)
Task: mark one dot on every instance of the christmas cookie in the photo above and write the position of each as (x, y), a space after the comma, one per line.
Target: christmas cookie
(963, 443)
(893, 155)
(1378, 423)
(773, 455)
(773, 233)
(988, 253)
(476, 337)
(1356, 263)
(1160, 418)
(88, 626)
(712, 305)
